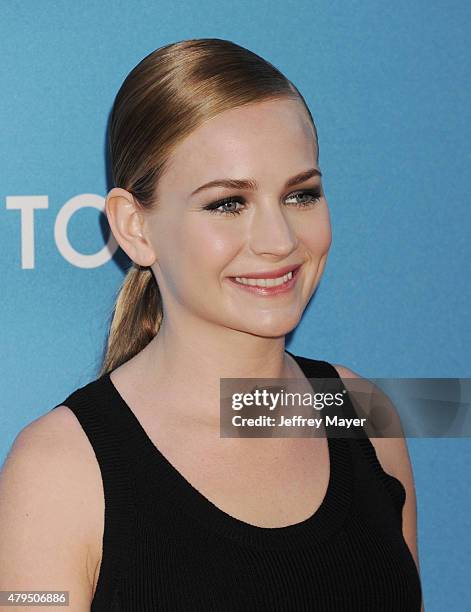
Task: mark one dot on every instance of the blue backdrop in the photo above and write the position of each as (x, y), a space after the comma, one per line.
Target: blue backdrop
(388, 85)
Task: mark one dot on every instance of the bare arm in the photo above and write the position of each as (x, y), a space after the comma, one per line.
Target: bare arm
(44, 519)
(394, 458)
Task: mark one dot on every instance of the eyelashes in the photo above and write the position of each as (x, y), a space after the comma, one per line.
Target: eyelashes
(314, 196)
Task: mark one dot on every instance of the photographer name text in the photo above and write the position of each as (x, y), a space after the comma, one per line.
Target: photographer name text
(296, 421)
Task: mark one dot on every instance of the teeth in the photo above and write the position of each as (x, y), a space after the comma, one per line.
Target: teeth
(264, 282)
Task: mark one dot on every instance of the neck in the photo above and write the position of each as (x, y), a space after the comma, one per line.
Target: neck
(210, 352)
(187, 363)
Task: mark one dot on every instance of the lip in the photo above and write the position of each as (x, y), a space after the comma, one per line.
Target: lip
(270, 291)
(269, 273)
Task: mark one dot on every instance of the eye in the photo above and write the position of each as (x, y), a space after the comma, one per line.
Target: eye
(313, 195)
(225, 202)
(221, 206)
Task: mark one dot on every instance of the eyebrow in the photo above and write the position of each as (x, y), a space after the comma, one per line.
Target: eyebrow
(253, 185)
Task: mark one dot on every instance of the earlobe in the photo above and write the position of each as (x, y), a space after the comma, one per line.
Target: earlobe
(126, 222)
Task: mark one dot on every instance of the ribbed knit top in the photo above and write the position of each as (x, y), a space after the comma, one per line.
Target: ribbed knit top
(167, 547)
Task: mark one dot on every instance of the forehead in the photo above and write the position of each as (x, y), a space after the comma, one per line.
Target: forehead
(256, 139)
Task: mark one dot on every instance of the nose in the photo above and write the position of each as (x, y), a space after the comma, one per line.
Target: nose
(271, 231)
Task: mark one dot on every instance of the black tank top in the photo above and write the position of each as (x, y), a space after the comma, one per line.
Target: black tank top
(167, 547)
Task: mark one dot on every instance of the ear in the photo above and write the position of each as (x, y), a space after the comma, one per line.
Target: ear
(126, 219)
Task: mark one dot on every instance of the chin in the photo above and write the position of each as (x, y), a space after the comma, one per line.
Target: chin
(272, 329)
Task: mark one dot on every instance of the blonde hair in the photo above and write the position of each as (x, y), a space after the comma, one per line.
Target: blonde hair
(163, 99)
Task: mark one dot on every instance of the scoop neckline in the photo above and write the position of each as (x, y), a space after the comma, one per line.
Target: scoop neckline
(323, 521)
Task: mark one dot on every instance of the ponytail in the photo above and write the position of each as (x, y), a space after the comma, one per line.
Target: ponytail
(136, 318)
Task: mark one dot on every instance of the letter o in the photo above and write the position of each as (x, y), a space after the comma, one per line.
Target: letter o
(60, 233)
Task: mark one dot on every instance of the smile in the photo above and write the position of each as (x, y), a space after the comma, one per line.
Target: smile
(265, 282)
(267, 286)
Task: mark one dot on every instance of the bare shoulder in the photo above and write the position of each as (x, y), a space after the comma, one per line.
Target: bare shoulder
(391, 451)
(51, 502)
(393, 456)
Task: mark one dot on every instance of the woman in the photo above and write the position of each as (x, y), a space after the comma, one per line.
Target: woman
(126, 495)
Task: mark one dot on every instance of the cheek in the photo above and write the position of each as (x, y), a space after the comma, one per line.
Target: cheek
(317, 235)
(210, 244)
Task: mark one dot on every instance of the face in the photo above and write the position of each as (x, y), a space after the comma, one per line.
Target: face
(262, 228)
